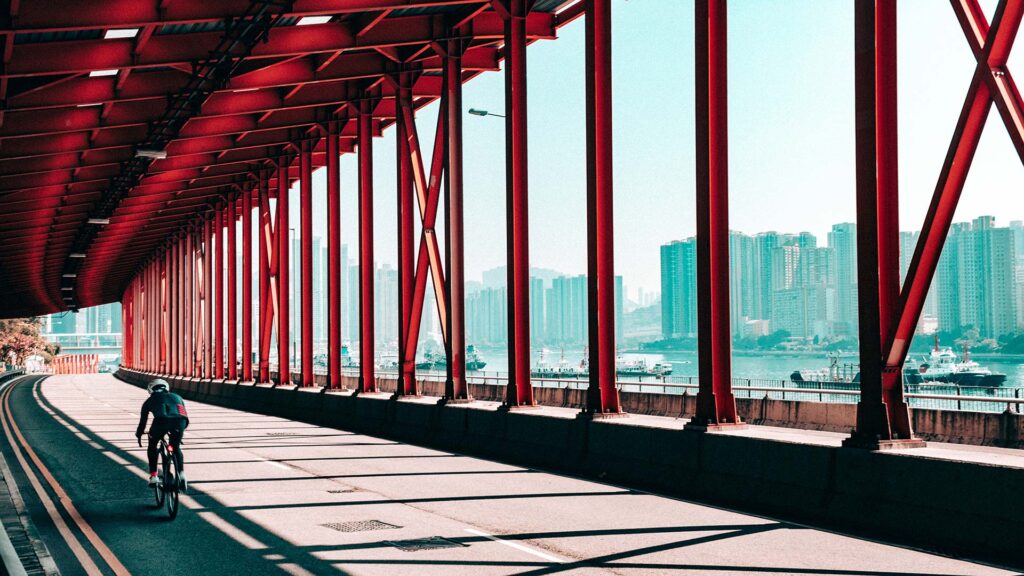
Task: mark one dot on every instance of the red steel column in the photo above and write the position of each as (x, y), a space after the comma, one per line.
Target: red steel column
(367, 383)
(208, 257)
(406, 232)
(172, 309)
(520, 390)
(164, 294)
(189, 357)
(306, 236)
(264, 247)
(218, 240)
(455, 385)
(883, 418)
(197, 308)
(333, 256)
(716, 405)
(181, 305)
(284, 374)
(602, 395)
(247, 284)
(232, 289)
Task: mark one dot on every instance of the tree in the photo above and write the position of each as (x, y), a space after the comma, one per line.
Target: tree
(21, 338)
(773, 339)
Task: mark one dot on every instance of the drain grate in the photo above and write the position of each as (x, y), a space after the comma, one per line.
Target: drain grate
(282, 433)
(432, 543)
(340, 491)
(360, 526)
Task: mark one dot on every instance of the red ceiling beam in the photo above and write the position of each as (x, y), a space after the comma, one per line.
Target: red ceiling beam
(62, 15)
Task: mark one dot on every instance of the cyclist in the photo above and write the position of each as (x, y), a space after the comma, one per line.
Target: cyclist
(169, 417)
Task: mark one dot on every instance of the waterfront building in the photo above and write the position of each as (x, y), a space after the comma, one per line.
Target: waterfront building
(679, 289)
(843, 241)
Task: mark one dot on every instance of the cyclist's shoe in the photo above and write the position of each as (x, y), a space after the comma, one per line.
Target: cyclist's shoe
(154, 481)
(182, 482)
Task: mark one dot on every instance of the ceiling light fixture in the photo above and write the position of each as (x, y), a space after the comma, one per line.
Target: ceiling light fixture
(307, 20)
(115, 33)
(149, 153)
(99, 73)
(98, 221)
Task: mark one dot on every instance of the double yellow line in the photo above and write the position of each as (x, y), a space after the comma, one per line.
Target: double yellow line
(21, 448)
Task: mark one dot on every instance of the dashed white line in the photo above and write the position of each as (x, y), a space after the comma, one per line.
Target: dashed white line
(517, 546)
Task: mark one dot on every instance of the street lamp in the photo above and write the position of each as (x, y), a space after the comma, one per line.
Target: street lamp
(476, 112)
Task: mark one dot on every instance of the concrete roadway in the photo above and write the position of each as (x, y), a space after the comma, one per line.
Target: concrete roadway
(265, 490)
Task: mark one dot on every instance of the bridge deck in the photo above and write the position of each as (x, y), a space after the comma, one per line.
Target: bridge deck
(264, 490)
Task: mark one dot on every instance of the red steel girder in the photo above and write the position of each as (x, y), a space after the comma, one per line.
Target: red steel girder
(992, 82)
(84, 56)
(428, 261)
(602, 394)
(716, 406)
(520, 389)
(64, 15)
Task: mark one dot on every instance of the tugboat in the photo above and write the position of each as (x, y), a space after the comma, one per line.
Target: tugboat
(542, 369)
(474, 361)
(836, 373)
(635, 368)
(943, 365)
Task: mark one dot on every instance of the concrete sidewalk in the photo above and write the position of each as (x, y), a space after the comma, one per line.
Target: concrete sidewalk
(304, 499)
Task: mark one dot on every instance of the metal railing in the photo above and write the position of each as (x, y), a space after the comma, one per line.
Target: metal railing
(929, 396)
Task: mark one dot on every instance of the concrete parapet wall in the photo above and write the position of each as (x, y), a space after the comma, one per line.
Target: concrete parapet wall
(956, 507)
(1004, 429)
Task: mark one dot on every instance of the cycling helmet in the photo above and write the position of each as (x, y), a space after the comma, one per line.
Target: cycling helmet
(158, 385)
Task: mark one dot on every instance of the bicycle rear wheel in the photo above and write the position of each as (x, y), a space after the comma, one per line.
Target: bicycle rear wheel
(171, 479)
(158, 489)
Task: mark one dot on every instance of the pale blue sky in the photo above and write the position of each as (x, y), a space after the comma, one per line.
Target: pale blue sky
(791, 134)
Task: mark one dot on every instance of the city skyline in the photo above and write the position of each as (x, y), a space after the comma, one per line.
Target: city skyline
(786, 282)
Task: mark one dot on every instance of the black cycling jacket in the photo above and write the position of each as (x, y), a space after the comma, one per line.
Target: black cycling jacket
(162, 405)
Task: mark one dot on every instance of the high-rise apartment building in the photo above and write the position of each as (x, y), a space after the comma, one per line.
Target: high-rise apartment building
(679, 289)
(843, 241)
(743, 279)
(978, 280)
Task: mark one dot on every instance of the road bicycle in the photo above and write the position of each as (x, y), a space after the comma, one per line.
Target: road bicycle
(169, 483)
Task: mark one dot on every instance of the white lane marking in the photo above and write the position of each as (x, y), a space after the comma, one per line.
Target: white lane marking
(517, 546)
(232, 531)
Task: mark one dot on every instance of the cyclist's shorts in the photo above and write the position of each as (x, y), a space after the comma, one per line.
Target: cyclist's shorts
(163, 425)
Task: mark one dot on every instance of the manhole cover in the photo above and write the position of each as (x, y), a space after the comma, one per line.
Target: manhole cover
(432, 543)
(360, 526)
